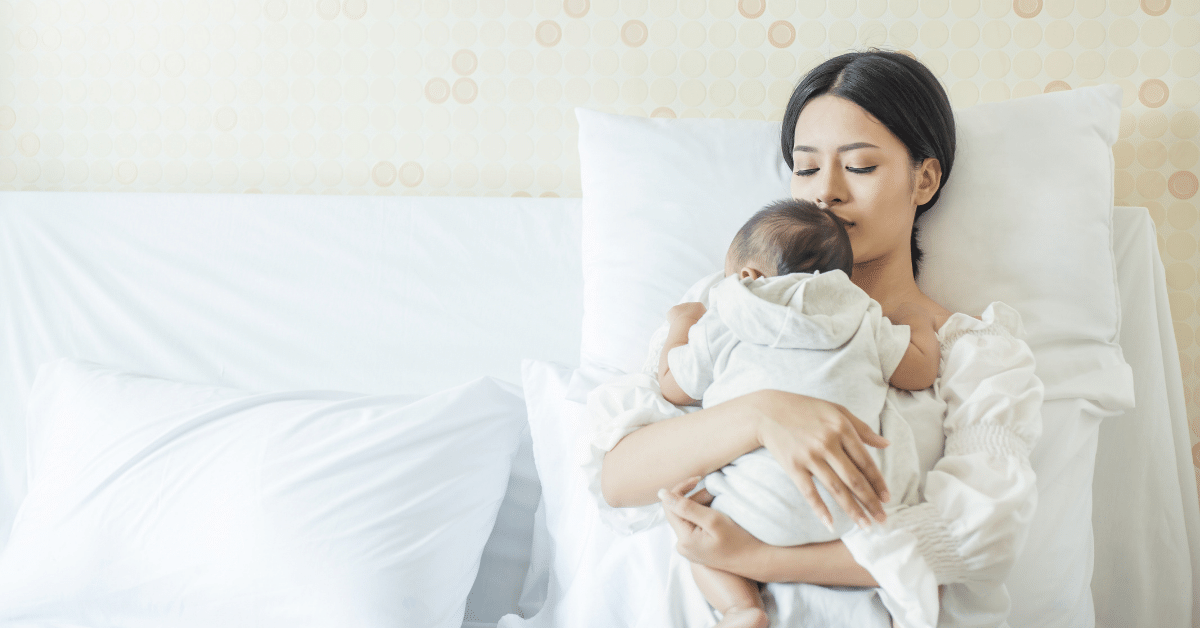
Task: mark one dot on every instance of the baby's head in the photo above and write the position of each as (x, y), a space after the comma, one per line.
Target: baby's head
(789, 236)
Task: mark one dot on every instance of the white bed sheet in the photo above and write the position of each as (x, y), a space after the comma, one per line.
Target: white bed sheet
(1145, 512)
(364, 294)
(283, 292)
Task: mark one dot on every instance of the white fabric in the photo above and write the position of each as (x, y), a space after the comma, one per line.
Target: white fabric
(366, 294)
(602, 578)
(799, 330)
(1030, 195)
(817, 335)
(1146, 517)
(977, 500)
(1146, 564)
(276, 292)
(662, 199)
(157, 503)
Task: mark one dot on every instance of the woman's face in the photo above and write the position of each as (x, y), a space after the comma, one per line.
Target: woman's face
(848, 161)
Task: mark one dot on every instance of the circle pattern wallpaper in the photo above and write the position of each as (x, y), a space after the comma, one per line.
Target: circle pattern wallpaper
(475, 97)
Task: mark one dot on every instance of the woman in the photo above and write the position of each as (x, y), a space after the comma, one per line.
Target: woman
(870, 136)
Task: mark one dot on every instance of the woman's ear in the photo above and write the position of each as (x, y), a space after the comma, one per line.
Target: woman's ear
(928, 180)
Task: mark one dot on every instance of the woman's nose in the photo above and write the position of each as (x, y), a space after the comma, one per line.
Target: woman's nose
(830, 188)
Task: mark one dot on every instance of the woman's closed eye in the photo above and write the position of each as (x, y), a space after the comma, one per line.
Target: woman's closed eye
(811, 171)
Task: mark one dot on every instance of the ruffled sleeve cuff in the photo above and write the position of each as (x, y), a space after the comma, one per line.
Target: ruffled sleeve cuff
(621, 405)
(618, 408)
(980, 496)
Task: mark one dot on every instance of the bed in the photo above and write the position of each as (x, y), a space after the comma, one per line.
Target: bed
(388, 328)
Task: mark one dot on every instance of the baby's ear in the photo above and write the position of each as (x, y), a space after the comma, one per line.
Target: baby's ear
(749, 272)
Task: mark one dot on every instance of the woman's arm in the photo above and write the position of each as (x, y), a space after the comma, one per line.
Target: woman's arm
(809, 437)
(711, 538)
(663, 453)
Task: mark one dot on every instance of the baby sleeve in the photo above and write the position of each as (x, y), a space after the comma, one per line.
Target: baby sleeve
(979, 497)
(891, 340)
(692, 364)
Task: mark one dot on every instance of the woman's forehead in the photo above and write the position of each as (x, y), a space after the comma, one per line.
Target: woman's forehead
(830, 123)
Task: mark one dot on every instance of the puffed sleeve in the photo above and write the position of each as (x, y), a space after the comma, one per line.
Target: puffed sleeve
(618, 408)
(622, 405)
(979, 497)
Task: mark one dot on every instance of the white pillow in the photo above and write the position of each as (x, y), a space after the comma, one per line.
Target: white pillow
(1025, 219)
(598, 578)
(661, 200)
(159, 503)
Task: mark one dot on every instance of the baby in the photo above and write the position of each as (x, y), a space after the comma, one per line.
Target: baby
(787, 317)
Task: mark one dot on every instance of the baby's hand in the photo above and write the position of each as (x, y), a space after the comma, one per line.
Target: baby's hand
(692, 310)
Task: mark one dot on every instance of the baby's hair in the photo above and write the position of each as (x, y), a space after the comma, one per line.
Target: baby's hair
(794, 236)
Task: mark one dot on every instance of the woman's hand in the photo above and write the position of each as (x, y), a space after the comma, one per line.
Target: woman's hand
(811, 437)
(705, 536)
(711, 538)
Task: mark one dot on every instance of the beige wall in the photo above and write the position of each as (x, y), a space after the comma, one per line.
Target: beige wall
(474, 97)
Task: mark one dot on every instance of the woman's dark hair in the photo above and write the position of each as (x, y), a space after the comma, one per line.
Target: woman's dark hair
(794, 236)
(898, 91)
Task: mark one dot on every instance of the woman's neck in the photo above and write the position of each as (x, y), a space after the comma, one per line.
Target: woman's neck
(889, 280)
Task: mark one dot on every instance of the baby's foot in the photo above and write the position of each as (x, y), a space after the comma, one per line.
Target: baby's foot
(752, 617)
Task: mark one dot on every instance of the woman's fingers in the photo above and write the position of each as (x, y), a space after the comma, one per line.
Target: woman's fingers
(691, 512)
(862, 475)
(816, 439)
(840, 493)
(683, 487)
(849, 472)
(804, 482)
(862, 457)
(690, 522)
(702, 496)
(683, 528)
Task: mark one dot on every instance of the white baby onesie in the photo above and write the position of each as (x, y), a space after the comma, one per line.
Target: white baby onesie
(813, 334)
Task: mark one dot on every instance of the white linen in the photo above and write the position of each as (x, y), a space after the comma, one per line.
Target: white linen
(978, 498)
(604, 578)
(158, 503)
(812, 334)
(292, 292)
(1146, 517)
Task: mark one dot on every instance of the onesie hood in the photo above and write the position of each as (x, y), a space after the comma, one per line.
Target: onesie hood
(796, 311)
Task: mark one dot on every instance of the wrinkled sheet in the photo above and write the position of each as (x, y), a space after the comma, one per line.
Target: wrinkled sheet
(270, 292)
(1145, 512)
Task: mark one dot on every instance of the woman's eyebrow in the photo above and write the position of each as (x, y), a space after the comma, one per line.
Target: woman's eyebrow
(841, 149)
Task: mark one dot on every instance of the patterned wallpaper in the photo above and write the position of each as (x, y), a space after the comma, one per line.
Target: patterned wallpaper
(474, 97)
